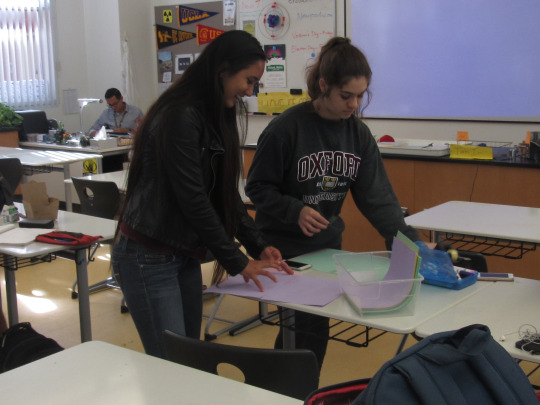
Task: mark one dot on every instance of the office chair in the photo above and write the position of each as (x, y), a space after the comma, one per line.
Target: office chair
(294, 373)
(99, 199)
(34, 122)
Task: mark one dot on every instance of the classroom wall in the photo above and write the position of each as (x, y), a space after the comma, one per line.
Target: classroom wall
(88, 43)
(444, 130)
(88, 35)
(416, 129)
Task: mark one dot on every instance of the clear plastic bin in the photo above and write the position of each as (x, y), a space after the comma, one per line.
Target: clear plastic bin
(366, 284)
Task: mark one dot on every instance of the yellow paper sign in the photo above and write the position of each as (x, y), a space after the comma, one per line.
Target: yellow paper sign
(470, 152)
(277, 102)
(462, 136)
(90, 166)
(167, 17)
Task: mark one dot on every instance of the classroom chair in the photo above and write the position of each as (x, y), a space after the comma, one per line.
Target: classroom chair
(11, 172)
(294, 373)
(34, 122)
(99, 199)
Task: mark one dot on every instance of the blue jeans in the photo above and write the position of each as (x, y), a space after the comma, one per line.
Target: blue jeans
(162, 291)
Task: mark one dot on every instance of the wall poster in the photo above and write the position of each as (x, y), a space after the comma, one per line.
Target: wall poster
(182, 32)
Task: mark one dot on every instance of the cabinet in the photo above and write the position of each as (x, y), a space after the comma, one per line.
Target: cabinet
(421, 184)
(9, 138)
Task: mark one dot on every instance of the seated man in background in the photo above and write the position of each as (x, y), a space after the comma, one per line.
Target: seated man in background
(120, 116)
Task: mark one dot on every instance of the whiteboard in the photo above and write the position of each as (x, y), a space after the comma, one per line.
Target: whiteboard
(301, 26)
(450, 59)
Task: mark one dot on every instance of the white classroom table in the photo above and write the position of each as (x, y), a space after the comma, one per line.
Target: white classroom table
(66, 221)
(430, 302)
(105, 151)
(101, 373)
(504, 306)
(508, 222)
(119, 177)
(36, 159)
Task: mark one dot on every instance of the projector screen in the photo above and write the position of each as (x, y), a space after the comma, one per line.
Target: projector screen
(451, 59)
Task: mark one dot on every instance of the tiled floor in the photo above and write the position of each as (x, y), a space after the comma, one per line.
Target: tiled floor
(44, 299)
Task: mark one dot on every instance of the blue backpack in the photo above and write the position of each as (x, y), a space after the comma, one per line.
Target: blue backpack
(460, 367)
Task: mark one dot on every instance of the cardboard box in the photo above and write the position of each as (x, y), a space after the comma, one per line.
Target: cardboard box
(37, 204)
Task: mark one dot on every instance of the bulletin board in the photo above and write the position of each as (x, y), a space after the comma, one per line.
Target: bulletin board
(292, 33)
(182, 32)
(293, 30)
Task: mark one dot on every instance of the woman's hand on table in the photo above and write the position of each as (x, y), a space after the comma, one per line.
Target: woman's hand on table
(270, 257)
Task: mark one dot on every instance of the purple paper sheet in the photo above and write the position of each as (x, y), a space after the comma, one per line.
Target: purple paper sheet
(393, 291)
(294, 289)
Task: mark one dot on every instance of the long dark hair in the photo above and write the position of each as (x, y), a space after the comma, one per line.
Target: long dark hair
(200, 86)
(339, 61)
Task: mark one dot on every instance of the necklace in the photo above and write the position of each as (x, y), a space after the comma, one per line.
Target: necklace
(116, 124)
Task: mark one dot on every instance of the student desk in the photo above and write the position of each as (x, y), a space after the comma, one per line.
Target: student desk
(110, 151)
(16, 256)
(101, 373)
(502, 230)
(503, 306)
(44, 161)
(119, 177)
(112, 155)
(430, 302)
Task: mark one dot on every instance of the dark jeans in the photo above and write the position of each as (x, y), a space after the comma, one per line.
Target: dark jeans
(311, 332)
(162, 291)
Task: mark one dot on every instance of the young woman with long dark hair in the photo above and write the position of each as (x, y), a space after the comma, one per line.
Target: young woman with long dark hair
(182, 197)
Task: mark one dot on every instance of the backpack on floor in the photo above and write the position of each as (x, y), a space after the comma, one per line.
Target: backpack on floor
(460, 367)
(21, 344)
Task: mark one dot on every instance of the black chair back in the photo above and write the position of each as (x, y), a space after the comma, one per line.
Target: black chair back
(34, 122)
(294, 373)
(11, 172)
(98, 198)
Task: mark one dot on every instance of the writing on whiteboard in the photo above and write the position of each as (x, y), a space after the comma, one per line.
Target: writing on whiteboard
(321, 14)
(312, 34)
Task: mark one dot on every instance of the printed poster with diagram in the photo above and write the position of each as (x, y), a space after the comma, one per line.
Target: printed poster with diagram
(275, 71)
(298, 27)
(182, 32)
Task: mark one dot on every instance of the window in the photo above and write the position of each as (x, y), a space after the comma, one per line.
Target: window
(27, 75)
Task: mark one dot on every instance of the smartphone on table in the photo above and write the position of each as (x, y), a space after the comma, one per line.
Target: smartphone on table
(495, 276)
(299, 266)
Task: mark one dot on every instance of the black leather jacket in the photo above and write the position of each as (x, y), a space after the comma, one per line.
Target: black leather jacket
(178, 210)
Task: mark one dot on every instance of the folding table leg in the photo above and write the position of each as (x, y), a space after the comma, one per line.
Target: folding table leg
(84, 295)
(11, 291)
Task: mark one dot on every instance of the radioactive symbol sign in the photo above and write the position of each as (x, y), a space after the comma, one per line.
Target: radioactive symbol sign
(90, 166)
(167, 16)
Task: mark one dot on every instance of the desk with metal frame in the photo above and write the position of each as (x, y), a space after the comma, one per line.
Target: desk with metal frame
(504, 307)
(118, 177)
(46, 161)
(430, 302)
(16, 257)
(491, 229)
(109, 151)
